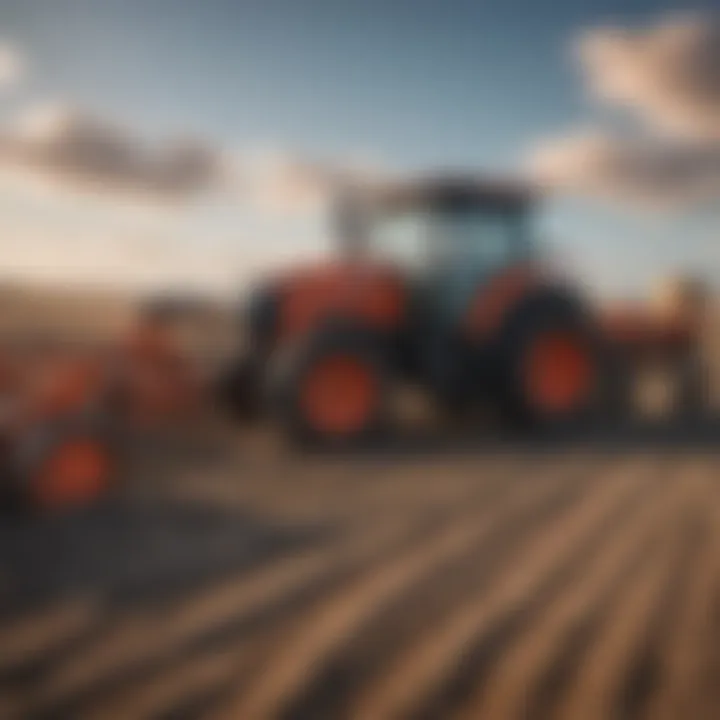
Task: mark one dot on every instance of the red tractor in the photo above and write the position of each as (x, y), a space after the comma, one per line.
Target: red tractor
(63, 410)
(56, 446)
(438, 284)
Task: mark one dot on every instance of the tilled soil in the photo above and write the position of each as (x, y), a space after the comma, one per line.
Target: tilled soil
(241, 581)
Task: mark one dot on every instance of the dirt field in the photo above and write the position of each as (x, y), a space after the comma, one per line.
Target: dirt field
(228, 579)
(234, 582)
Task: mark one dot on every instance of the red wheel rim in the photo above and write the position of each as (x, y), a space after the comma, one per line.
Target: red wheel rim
(74, 473)
(339, 395)
(559, 371)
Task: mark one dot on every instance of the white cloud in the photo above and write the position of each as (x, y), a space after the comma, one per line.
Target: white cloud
(75, 149)
(668, 73)
(12, 65)
(629, 169)
(54, 146)
(288, 182)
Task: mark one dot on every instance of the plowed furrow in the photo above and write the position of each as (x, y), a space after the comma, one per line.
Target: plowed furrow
(678, 691)
(599, 689)
(247, 604)
(422, 604)
(528, 678)
(431, 671)
(334, 621)
(547, 586)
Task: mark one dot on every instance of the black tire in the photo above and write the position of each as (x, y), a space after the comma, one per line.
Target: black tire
(35, 445)
(539, 315)
(239, 389)
(618, 404)
(691, 391)
(291, 368)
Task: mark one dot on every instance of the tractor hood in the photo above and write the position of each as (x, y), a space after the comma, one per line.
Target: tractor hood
(495, 298)
(362, 291)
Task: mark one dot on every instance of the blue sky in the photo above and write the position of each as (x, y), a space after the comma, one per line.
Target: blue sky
(421, 81)
(417, 83)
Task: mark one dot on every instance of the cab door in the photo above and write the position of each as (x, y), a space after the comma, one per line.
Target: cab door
(469, 248)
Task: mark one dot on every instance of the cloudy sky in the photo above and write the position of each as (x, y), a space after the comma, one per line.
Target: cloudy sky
(146, 141)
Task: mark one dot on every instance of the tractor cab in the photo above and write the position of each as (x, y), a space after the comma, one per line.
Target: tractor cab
(447, 237)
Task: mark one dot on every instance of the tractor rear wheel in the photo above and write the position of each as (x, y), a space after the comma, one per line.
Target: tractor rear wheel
(553, 369)
(331, 389)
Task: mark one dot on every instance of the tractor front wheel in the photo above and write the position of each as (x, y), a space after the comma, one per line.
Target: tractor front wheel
(63, 465)
(330, 390)
(555, 370)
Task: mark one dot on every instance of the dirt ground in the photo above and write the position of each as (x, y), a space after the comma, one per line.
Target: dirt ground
(441, 577)
(226, 578)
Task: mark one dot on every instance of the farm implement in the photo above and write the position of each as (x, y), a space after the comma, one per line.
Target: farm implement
(64, 411)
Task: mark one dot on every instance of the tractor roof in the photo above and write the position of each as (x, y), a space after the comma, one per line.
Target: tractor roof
(450, 192)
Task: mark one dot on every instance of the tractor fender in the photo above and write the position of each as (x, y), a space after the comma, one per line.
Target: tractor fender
(544, 300)
(498, 296)
(363, 293)
(540, 301)
(340, 328)
(331, 331)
